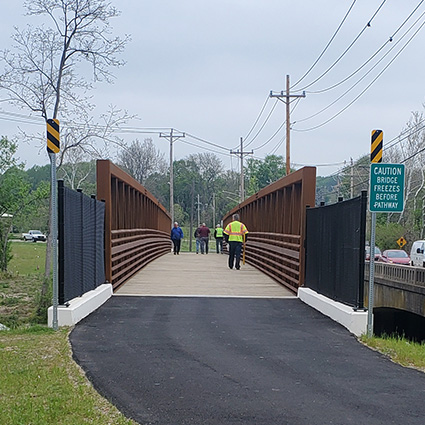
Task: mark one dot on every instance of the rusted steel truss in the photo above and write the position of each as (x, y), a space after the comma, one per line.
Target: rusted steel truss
(137, 226)
(275, 218)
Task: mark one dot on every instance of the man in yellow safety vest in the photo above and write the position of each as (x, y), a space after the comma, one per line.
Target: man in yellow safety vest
(235, 234)
(218, 234)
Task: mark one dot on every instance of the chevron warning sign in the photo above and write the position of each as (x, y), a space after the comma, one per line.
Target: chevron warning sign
(53, 145)
(376, 147)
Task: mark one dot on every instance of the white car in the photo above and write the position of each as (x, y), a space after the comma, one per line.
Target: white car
(34, 235)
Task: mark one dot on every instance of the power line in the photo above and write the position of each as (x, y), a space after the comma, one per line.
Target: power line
(258, 117)
(390, 39)
(326, 47)
(367, 87)
(347, 49)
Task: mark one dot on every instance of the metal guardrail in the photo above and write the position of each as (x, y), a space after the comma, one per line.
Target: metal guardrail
(133, 249)
(277, 255)
(397, 273)
(137, 226)
(279, 210)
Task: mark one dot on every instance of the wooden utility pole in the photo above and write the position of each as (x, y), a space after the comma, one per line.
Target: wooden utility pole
(285, 97)
(242, 153)
(172, 137)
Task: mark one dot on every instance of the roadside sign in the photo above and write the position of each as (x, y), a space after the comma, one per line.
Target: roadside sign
(376, 146)
(386, 188)
(401, 242)
(53, 145)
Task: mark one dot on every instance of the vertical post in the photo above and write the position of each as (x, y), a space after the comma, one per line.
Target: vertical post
(199, 213)
(61, 233)
(288, 130)
(352, 179)
(213, 220)
(242, 176)
(363, 205)
(93, 200)
(371, 276)
(54, 218)
(82, 289)
(171, 179)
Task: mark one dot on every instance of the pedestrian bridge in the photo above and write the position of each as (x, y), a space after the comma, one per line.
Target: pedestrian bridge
(191, 275)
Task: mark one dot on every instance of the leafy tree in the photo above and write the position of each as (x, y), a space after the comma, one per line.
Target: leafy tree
(261, 173)
(16, 199)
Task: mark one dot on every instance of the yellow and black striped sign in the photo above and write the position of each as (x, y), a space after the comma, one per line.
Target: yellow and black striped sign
(53, 145)
(376, 147)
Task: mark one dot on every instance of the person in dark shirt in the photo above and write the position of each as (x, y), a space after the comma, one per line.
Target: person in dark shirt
(204, 234)
(197, 239)
(176, 237)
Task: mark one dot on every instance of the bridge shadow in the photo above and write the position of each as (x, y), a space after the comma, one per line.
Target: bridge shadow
(197, 275)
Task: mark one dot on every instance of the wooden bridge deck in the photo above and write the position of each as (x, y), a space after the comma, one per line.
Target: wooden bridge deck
(196, 275)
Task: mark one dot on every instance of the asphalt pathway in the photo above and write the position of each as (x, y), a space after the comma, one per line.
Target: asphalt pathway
(219, 361)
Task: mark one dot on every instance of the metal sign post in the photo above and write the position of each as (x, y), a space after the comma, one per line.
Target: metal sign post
(386, 196)
(53, 149)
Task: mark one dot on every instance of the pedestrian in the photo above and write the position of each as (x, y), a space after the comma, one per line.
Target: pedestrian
(197, 239)
(235, 234)
(176, 237)
(204, 234)
(218, 234)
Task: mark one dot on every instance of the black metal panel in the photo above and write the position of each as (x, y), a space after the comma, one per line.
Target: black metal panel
(335, 247)
(81, 243)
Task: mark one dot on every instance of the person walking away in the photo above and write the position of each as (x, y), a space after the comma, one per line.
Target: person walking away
(197, 239)
(176, 237)
(218, 234)
(204, 233)
(234, 234)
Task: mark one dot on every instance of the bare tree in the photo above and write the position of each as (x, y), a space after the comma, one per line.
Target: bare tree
(141, 160)
(41, 72)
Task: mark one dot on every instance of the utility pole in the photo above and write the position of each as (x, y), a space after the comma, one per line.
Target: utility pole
(285, 97)
(172, 137)
(352, 179)
(213, 220)
(199, 212)
(242, 153)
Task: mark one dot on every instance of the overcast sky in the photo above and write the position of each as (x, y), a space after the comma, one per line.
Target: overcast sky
(206, 68)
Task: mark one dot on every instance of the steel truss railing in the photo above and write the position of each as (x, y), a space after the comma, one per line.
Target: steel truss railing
(275, 218)
(137, 226)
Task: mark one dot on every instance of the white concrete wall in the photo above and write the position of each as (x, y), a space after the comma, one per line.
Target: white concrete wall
(354, 321)
(81, 307)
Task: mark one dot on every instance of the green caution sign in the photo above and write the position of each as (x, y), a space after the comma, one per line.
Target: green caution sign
(376, 146)
(53, 136)
(386, 188)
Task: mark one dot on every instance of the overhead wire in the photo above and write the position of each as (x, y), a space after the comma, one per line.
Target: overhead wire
(326, 47)
(389, 40)
(258, 118)
(263, 125)
(363, 77)
(367, 87)
(346, 50)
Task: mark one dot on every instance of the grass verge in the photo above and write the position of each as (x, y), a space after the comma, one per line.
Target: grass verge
(399, 350)
(40, 383)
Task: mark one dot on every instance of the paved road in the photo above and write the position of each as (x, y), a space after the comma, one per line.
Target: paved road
(219, 361)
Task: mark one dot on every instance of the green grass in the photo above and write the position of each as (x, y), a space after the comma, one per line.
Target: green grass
(20, 287)
(28, 258)
(400, 350)
(40, 383)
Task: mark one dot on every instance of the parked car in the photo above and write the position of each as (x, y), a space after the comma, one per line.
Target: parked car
(395, 256)
(378, 253)
(417, 256)
(34, 235)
